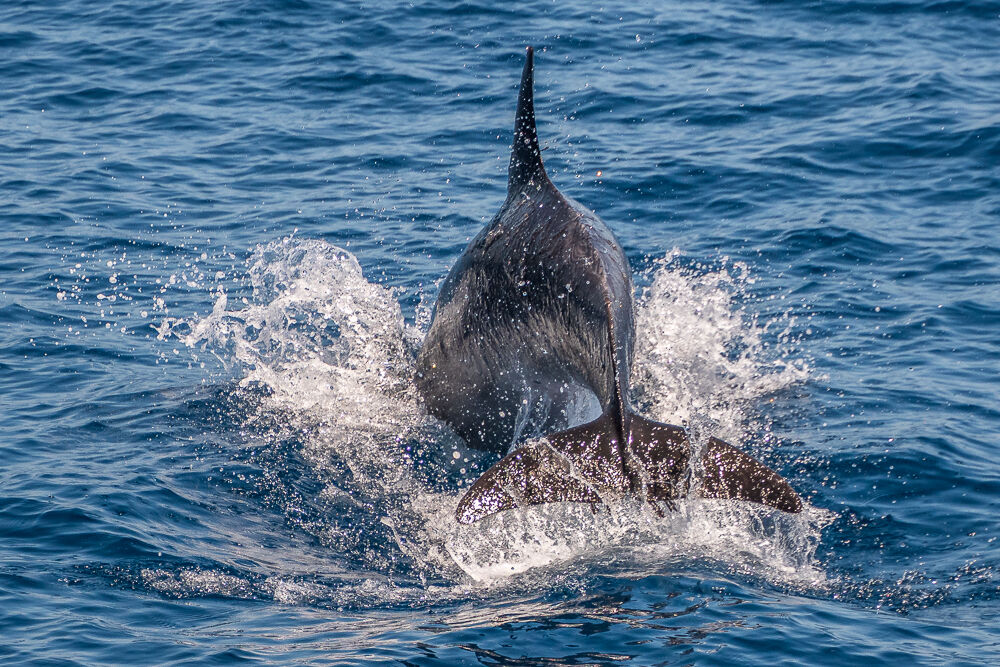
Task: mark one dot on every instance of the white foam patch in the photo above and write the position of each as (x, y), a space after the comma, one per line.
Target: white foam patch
(196, 581)
(188, 582)
(338, 358)
(750, 539)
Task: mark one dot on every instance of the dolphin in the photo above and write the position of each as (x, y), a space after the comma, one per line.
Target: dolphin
(531, 344)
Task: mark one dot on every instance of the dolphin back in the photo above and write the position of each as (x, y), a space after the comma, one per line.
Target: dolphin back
(538, 305)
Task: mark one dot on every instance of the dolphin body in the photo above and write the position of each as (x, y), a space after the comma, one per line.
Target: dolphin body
(533, 335)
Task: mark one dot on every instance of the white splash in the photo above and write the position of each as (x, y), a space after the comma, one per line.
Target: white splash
(315, 330)
(337, 356)
(699, 358)
(331, 347)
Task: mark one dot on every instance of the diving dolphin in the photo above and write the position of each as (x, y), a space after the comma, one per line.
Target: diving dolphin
(533, 325)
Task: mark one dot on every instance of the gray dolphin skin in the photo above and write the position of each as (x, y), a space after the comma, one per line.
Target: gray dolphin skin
(533, 335)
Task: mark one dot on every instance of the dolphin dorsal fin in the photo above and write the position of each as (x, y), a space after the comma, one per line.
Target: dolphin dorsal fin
(525, 156)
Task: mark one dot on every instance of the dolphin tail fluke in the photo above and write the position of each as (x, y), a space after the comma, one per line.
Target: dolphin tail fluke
(726, 472)
(585, 464)
(729, 473)
(564, 467)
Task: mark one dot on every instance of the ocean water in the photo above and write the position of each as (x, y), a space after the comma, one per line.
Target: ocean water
(223, 226)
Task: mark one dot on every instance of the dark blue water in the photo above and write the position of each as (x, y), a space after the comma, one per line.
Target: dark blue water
(210, 449)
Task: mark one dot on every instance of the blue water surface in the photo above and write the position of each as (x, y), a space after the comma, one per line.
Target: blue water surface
(158, 508)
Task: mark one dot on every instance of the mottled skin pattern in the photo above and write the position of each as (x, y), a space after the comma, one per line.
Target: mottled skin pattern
(537, 310)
